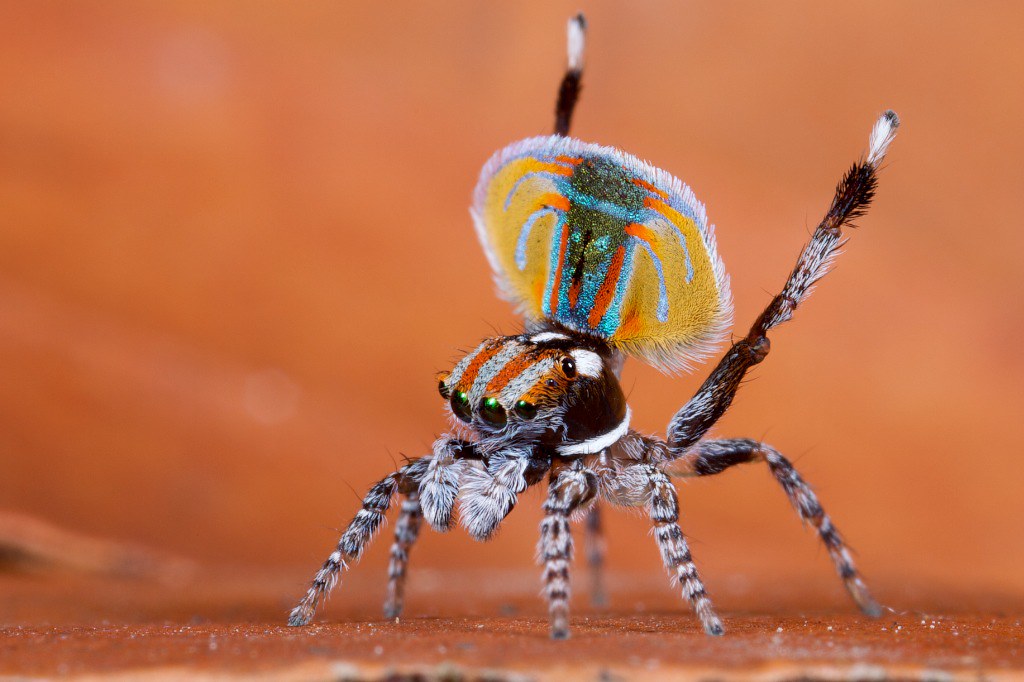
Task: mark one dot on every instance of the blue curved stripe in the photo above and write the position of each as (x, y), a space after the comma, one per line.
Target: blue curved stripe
(556, 236)
(524, 234)
(662, 290)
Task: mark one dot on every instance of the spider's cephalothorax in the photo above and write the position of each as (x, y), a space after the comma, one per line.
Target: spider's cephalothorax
(605, 256)
(550, 390)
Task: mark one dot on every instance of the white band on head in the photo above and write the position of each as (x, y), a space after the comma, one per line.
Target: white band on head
(597, 443)
(548, 336)
(588, 363)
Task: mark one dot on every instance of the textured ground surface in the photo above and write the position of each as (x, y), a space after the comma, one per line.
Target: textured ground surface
(221, 628)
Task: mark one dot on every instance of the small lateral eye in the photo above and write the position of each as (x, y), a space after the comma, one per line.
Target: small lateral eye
(460, 406)
(526, 409)
(442, 388)
(569, 368)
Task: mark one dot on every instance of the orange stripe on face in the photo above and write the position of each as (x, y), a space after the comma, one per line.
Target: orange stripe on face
(572, 160)
(649, 187)
(510, 371)
(469, 376)
(557, 283)
(607, 291)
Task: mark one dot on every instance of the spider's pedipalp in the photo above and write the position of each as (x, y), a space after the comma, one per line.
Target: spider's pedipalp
(490, 492)
(711, 457)
(439, 485)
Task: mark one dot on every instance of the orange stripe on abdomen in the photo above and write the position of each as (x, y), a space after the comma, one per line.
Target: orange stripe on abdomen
(649, 187)
(556, 284)
(606, 294)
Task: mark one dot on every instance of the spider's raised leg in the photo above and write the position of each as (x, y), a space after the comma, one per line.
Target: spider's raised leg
(407, 530)
(595, 544)
(715, 456)
(569, 489)
(853, 195)
(569, 90)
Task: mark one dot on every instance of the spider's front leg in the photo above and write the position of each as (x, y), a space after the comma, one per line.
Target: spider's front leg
(711, 457)
(431, 482)
(635, 479)
(570, 488)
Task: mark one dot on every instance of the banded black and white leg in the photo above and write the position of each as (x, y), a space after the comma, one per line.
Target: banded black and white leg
(711, 457)
(570, 488)
(663, 507)
(354, 540)
(407, 530)
(596, 549)
(435, 478)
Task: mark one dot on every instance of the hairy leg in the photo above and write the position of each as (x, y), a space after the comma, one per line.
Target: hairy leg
(715, 456)
(355, 539)
(569, 489)
(407, 530)
(852, 198)
(433, 478)
(596, 547)
(569, 89)
(663, 506)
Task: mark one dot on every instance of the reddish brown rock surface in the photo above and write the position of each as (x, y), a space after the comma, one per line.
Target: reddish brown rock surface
(233, 628)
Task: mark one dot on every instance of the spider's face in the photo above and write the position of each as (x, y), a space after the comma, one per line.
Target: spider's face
(548, 386)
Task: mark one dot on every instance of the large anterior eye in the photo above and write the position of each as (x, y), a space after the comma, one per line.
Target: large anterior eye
(492, 412)
(460, 406)
(569, 368)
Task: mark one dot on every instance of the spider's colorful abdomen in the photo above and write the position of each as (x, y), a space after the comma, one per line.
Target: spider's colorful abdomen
(603, 244)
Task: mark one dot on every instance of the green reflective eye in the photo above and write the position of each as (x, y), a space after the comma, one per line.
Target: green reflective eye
(492, 412)
(526, 410)
(460, 406)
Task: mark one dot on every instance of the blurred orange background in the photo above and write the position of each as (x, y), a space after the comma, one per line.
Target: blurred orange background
(235, 248)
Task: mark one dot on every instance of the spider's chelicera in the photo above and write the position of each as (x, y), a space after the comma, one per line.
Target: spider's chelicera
(605, 256)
